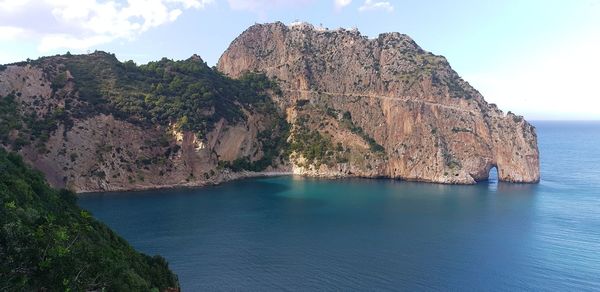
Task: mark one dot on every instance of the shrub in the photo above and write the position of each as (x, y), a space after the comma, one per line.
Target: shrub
(48, 243)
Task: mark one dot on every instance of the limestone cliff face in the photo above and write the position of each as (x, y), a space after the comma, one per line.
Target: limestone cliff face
(387, 107)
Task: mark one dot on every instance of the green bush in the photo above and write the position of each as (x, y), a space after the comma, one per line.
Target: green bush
(48, 243)
(313, 146)
(166, 91)
(60, 80)
(10, 117)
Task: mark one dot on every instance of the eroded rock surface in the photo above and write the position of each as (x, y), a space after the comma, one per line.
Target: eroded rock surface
(382, 107)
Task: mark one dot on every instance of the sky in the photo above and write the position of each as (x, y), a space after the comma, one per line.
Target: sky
(536, 58)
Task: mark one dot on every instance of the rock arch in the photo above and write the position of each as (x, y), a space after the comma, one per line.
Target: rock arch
(493, 173)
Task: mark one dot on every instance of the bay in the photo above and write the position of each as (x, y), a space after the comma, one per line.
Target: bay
(293, 233)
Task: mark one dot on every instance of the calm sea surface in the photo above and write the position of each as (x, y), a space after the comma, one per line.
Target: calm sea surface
(289, 233)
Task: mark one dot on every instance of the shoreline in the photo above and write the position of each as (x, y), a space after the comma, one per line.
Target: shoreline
(249, 175)
(234, 177)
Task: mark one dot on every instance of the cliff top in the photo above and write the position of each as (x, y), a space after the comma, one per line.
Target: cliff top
(306, 26)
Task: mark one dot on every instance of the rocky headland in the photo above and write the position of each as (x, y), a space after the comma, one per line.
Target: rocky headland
(282, 99)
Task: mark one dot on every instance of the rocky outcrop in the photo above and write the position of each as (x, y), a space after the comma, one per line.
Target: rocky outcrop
(386, 108)
(354, 106)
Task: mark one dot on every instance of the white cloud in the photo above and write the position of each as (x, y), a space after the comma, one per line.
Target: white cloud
(82, 24)
(262, 5)
(342, 3)
(370, 5)
(12, 5)
(187, 4)
(8, 33)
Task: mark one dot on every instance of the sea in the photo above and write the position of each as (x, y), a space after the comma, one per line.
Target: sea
(291, 233)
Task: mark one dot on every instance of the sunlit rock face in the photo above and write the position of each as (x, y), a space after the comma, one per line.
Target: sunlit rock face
(387, 107)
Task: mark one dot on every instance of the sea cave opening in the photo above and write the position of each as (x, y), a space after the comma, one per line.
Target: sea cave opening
(493, 174)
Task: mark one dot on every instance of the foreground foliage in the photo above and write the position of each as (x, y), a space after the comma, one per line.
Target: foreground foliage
(47, 241)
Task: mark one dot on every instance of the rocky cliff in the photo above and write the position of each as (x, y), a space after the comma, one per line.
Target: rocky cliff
(283, 99)
(382, 107)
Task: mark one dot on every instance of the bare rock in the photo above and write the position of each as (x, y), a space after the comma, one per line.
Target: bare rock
(432, 125)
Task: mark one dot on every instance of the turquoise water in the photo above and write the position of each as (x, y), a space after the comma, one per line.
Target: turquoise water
(289, 233)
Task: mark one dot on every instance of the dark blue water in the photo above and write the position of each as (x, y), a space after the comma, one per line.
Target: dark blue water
(289, 233)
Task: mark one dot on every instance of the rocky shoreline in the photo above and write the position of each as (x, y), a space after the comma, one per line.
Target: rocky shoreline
(230, 177)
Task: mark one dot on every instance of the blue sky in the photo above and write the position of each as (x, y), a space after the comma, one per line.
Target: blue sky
(537, 58)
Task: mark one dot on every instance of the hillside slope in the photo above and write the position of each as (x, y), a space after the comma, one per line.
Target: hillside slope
(92, 123)
(48, 243)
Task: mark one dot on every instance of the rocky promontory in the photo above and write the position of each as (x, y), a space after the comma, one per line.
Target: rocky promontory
(283, 99)
(387, 107)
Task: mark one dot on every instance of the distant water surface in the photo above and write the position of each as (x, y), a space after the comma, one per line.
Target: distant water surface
(290, 233)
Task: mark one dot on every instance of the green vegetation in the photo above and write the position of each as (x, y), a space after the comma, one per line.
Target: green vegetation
(457, 90)
(10, 118)
(186, 93)
(317, 148)
(427, 65)
(27, 127)
(311, 145)
(460, 129)
(274, 139)
(451, 162)
(48, 243)
(348, 123)
(60, 80)
(274, 143)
